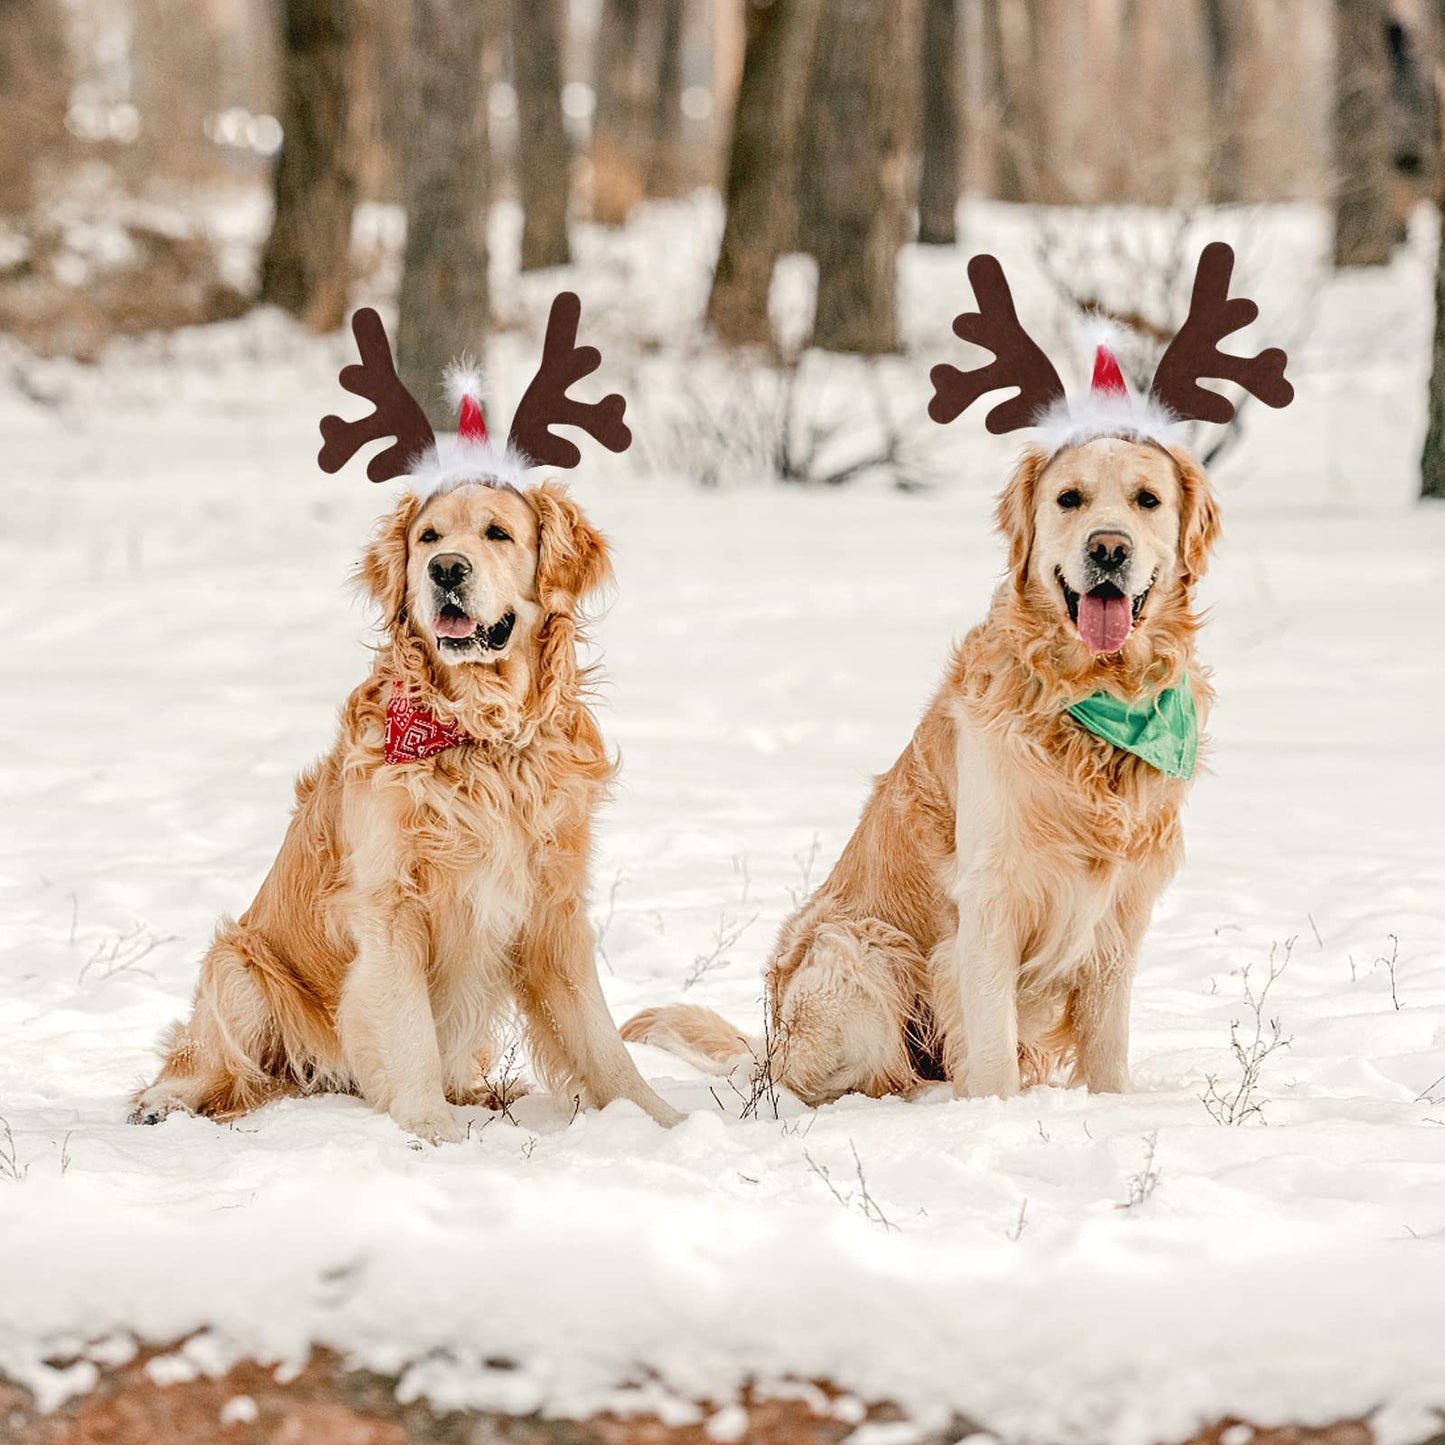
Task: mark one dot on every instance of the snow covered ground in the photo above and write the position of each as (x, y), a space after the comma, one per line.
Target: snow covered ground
(177, 640)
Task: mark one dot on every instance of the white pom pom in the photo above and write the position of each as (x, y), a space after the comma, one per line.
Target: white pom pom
(464, 378)
(1096, 330)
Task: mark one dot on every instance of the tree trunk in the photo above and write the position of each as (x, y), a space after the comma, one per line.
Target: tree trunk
(665, 160)
(858, 169)
(762, 179)
(34, 86)
(543, 163)
(623, 116)
(1008, 181)
(1364, 227)
(1432, 461)
(1225, 45)
(939, 182)
(444, 181)
(306, 263)
(1040, 104)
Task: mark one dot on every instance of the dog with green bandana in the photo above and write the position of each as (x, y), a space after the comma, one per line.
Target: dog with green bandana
(983, 922)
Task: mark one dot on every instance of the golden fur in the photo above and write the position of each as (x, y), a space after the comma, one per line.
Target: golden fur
(412, 906)
(983, 920)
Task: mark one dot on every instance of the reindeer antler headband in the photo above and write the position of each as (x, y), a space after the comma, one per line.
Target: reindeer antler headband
(475, 458)
(1174, 396)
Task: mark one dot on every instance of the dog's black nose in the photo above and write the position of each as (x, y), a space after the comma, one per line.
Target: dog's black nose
(1108, 551)
(449, 570)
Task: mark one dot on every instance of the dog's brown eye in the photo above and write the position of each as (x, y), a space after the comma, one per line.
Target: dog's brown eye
(1147, 500)
(1070, 499)
(497, 534)
(428, 536)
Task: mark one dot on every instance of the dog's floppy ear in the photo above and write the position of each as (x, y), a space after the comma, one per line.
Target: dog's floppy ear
(381, 573)
(1015, 514)
(572, 558)
(1198, 517)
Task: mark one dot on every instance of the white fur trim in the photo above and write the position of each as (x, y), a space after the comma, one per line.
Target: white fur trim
(1096, 330)
(1068, 424)
(456, 463)
(464, 377)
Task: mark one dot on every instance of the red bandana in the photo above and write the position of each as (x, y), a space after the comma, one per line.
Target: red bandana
(413, 734)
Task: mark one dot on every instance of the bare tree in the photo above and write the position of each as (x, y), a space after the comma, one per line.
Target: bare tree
(1036, 102)
(1432, 461)
(664, 160)
(1364, 226)
(939, 180)
(857, 169)
(1226, 43)
(34, 80)
(443, 305)
(306, 262)
(1008, 180)
(543, 163)
(623, 116)
(762, 173)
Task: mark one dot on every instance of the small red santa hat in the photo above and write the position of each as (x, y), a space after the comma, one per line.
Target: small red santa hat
(474, 457)
(1108, 378)
(466, 385)
(1110, 409)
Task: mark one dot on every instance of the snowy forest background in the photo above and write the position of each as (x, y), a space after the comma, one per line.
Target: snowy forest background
(142, 137)
(768, 210)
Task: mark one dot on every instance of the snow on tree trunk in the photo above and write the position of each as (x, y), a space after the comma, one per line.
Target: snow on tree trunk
(543, 162)
(762, 167)
(938, 182)
(443, 307)
(306, 262)
(1365, 229)
(858, 169)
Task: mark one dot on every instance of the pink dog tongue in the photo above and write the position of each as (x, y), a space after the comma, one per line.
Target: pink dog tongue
(1104, 622)
(461, 626)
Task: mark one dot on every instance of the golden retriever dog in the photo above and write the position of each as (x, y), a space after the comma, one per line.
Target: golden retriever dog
(421, 900)
(983, 921)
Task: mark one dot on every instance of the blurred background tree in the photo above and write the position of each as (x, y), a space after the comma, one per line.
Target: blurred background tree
(544, 163)
(856, 183)
(306, 262)
(389, 134)
(443, 306)
(34, 93)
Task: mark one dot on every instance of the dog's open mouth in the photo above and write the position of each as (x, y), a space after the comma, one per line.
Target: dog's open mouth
(1105, 615)
(456, 630)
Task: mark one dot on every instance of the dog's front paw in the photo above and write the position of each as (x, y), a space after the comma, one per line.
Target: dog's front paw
(436, 1125)
(153, 1105)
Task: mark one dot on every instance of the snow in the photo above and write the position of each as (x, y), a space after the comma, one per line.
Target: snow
(178, 639)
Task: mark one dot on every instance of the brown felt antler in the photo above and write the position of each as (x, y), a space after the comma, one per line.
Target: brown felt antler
(397, 413)
(1194, 352)
(1018, 360)
(545, 403)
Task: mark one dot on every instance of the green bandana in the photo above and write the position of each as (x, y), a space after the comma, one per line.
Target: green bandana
(1163, 729)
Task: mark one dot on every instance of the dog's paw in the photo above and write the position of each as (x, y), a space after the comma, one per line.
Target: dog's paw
(435, 1125)
(152, 1107)
(486, 1095)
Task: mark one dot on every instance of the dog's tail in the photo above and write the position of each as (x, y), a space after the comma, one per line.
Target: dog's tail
(705, 1039)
